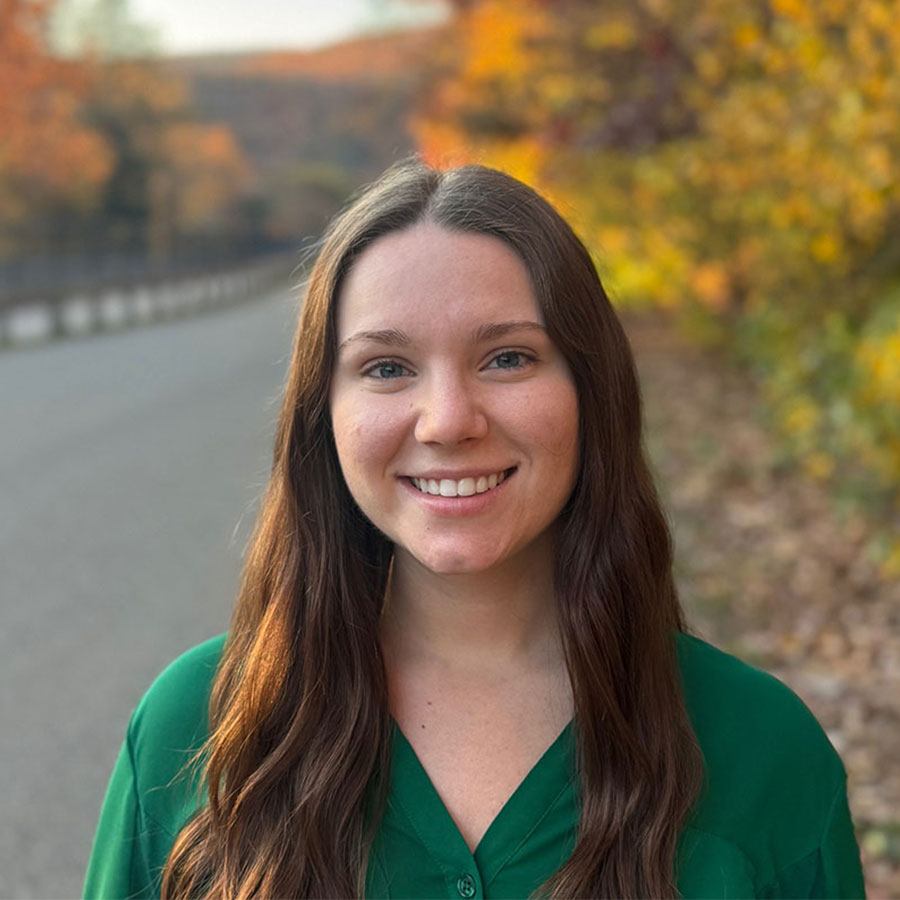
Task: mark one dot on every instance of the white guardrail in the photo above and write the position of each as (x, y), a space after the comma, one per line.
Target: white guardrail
(127, 306)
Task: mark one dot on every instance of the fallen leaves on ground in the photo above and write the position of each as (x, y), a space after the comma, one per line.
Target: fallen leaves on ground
(769, 570)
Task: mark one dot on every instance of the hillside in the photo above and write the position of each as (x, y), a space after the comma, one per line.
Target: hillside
(314, 124)
(345, 103)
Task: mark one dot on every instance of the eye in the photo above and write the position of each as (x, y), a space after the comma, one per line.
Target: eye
(385, 369)
(511, 359)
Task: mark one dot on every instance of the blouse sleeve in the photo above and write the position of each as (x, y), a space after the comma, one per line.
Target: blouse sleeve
(117, 866)
(833, 870)
(842, 874)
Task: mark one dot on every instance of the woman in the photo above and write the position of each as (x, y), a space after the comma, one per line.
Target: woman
(458, 666)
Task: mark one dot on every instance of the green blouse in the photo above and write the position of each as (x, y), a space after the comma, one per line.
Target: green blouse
(772, 820)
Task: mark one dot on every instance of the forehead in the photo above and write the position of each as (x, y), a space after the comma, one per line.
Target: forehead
(433, 278)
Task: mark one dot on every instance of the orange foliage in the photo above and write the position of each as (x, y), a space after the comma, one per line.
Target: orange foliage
(44, 149)
(140, 85)
(364, 59)
(208, 171)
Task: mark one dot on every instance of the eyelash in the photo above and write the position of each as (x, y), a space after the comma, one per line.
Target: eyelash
(380, 363)
(527, 357)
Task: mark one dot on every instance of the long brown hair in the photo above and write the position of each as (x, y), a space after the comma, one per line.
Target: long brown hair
(298, 757)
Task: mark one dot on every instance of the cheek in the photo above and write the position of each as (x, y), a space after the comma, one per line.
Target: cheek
(365, 434)
(551, 423)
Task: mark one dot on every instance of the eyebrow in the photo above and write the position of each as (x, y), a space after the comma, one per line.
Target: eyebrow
(501, 329)
(394, 337)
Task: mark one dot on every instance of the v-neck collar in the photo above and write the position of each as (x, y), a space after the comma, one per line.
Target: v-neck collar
(414, 792)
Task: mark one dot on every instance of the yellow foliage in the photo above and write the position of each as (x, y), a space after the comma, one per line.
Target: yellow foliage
(441, 143)
(632, 279)
(712, 284)
(801, 12)
(523, 158)
(558, 90)
(878, 358)
(747, 36)
(616, 33)
(818, 465)
(825, 247)
(710, 66)
(612, 239)
(879, 165)
(497, 37)
(800, 416)
(890, 567)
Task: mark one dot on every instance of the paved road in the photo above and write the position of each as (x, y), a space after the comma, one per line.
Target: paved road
(130, 470)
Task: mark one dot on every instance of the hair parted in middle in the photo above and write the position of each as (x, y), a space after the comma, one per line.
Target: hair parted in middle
(299, 716)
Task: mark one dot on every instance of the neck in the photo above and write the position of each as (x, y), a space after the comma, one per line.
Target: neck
(500, 618)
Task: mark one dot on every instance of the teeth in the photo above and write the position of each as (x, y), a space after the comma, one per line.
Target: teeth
(465, 487)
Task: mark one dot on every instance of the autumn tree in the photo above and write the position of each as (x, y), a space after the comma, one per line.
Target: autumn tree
(49, 158)
(174, 178)
(100, 152)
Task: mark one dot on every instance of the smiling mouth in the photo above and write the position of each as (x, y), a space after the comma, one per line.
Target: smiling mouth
(464, 487)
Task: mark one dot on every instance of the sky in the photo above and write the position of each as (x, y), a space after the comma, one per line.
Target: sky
(209, 26)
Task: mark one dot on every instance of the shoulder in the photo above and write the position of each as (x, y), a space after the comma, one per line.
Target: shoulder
(731, 702)
(175, 703)
(772, 777)
(169, 726)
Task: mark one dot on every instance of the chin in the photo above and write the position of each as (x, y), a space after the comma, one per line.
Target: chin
(455, 562)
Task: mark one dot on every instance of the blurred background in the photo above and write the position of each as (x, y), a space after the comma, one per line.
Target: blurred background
(734, 168)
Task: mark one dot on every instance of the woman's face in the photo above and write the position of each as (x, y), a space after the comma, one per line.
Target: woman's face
(455, 417)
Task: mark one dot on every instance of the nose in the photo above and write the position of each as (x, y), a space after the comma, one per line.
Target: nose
(449, 412)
